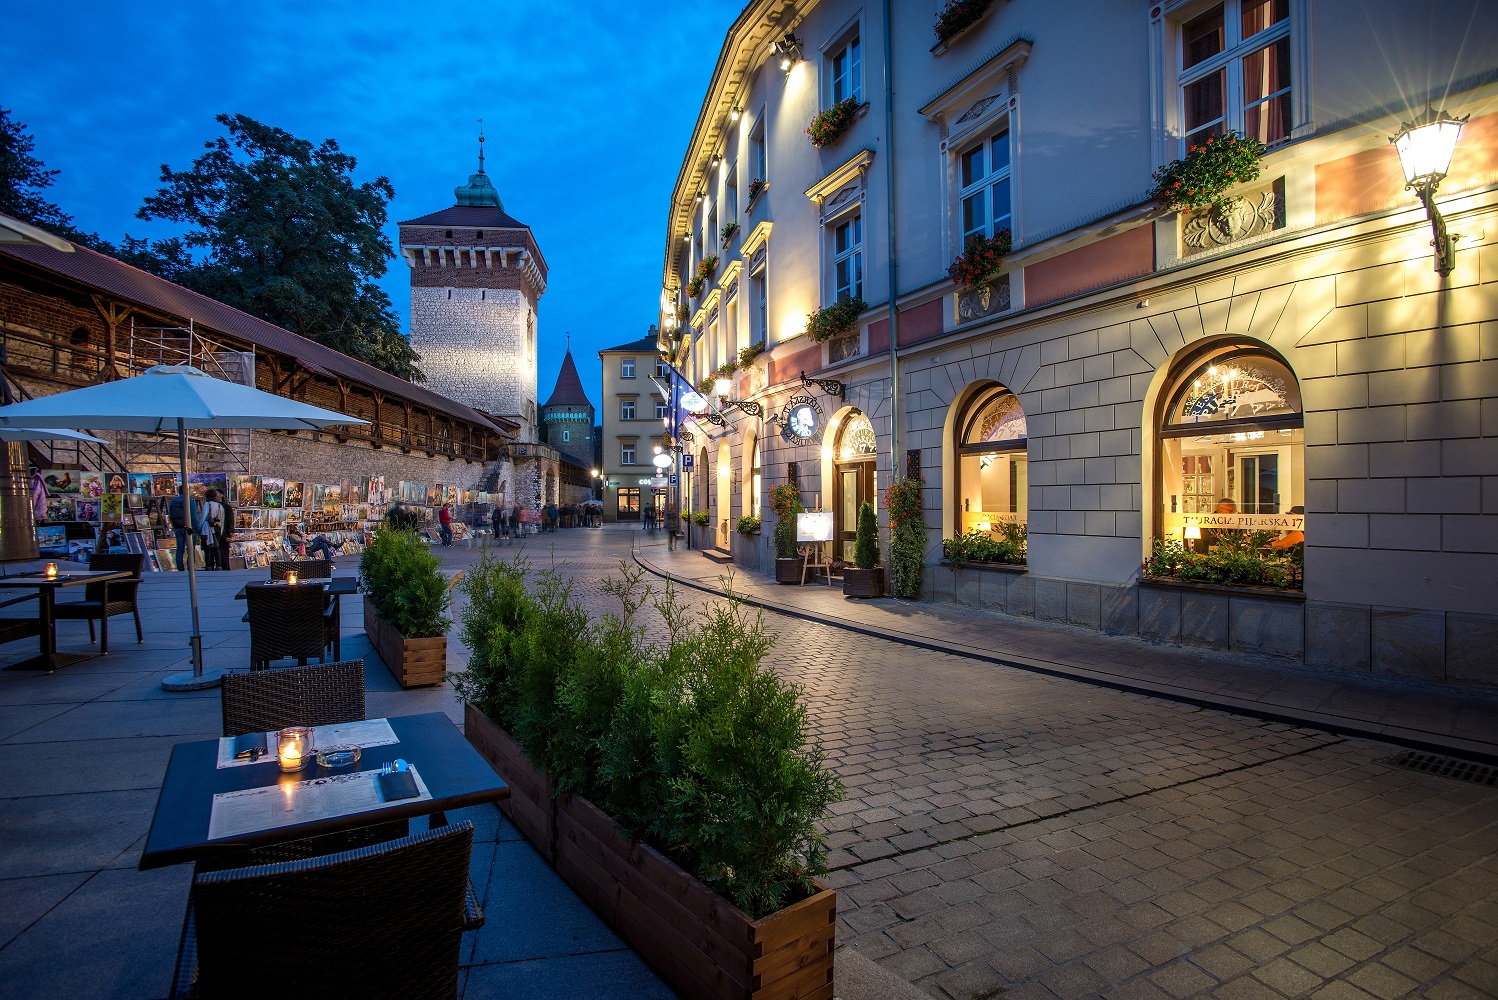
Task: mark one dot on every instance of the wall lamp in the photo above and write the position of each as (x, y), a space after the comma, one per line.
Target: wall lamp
(734, 113)
(1425, 147)
(717, 159)
(789, 51)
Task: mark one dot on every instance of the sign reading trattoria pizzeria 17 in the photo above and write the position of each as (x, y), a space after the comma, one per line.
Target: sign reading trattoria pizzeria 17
(1246, 522)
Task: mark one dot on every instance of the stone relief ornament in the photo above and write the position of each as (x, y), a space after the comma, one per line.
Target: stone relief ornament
(988, 299)
(843, 348)
(977, 109)
(1237, 219)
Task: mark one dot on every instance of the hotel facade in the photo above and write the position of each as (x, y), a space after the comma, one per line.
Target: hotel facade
(1285, 372)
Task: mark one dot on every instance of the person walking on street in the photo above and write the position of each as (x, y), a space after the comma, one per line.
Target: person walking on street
(501, 523)
(213, 518)
(186, 529)
(445, 524)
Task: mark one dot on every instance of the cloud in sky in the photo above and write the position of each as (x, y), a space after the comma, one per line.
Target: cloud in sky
(587, 108)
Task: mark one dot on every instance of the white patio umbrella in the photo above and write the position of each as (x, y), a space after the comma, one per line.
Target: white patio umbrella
(45, 434)
(173, 398)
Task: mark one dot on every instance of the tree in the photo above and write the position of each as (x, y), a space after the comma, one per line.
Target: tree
(23, 178)
(280, 230)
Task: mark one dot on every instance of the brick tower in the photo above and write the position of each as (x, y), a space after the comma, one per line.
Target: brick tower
(567, 416)
(477, 277)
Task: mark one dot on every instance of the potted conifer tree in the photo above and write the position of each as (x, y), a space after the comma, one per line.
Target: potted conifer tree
(785, 500)
(865, 578)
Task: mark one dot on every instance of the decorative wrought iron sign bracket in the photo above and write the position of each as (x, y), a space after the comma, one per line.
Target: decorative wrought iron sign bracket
(831, 386)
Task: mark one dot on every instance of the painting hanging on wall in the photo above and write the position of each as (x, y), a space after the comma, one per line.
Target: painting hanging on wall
(272, 492)
(138, 483)
(201, 482)
(164, 484)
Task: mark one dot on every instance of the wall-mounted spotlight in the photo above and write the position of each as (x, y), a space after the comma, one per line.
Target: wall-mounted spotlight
(788, 49)
(1425, 147)
(734, 113)
(717, 159)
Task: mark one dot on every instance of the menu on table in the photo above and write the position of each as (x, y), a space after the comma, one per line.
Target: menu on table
(252, 810)
(364, 733)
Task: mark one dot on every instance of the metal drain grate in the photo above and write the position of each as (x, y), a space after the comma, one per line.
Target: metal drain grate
(1448, 767)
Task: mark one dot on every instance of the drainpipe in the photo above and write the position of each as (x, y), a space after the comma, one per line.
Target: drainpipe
(889, 182)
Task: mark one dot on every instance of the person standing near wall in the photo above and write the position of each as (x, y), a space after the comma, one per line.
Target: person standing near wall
(445, 524)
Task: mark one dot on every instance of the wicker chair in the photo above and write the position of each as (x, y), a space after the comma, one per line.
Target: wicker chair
(12, 629)
(123, 596)
(305, 569)
(289, 622)
(383, 921)
(322, 694)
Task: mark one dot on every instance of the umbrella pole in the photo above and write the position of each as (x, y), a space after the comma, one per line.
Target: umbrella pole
(198, 679)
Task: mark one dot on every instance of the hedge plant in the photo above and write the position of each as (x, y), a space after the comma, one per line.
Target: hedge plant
(1006, 545)
(748, 525)
(398, 573)
(785, 501)
(688, 741)
(907, 535)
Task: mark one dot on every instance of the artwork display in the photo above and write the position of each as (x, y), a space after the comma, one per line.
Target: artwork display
(138, 483)
(85, 509)
(199, 483)
(272, 492)
(165, 484)
(114, 482)
(112, 506)
(247, 491)
(293, 495)
(62, 483)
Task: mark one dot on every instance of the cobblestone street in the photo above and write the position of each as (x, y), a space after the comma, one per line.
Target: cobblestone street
(1006, 832)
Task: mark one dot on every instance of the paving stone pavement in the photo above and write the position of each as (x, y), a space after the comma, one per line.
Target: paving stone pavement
(1011, 833)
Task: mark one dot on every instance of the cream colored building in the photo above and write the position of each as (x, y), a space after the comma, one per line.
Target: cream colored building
(1130, 373)
(633, 416)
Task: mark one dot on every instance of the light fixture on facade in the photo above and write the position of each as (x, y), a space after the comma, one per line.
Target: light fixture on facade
(789, 51)
(1425, 148)
(699, 198)
(722, 386)
(717, 159)
(734, 113)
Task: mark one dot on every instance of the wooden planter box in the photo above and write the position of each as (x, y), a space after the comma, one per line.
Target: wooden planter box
(532, 802)
(699, 942)
(413, 662)
(788, 570)
(863, 582)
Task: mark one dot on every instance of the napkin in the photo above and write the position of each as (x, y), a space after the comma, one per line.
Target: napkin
(398, 785)
(251, 745)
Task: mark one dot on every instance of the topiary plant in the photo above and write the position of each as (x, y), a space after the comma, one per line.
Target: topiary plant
(907, 535)
(785, 500)
(866, 538)
(398, 573)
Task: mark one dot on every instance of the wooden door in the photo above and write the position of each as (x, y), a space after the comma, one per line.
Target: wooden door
(855, 484)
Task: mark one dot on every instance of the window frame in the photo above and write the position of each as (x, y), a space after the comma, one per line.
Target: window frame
(848, 84)
(1012, 449)
(626, 367)
(626, 454)
(854, 253)
(759, 153)
(662, 408)
(1229, 62)
(989, 180)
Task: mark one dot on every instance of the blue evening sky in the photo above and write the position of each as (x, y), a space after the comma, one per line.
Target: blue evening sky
(587, 106)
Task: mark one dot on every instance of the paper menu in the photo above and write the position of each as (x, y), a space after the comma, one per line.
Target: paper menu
(290, 803)
(365, 733)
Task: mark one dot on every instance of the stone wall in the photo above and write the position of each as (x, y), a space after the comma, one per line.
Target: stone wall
(473, 347)
(302, 458)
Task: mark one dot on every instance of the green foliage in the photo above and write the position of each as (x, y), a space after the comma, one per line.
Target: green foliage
(398, 572)
(828, 126)
(907, 535)
(726, 233)
(279, 229)
(1236, 560)
(1207, 170)
(748, 525)
(835, 320)
(1006, 544)
(725, 370)
(866, 538)
(700, 518)
(959, 15)
(689, 742)
(785, 501)
(981, 256)
(24, 178)
(748, 354)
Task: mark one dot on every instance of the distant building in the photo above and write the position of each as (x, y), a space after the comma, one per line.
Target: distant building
(567, 417)
(633, 415)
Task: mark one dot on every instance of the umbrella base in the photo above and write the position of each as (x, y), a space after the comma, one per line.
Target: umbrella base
(189, 681)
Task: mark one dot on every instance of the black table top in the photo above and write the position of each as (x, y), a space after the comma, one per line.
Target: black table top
(333, 585)
(64, 578)
(453, 771)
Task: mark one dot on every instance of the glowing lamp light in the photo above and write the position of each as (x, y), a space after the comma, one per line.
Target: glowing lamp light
(1191, 531)
(51, 571)
(291, 579)
(985, 525)
(1425, 148)
(722, 386)
(662, 461)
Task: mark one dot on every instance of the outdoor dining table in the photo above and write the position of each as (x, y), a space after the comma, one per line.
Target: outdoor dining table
(47, 587)
(335, 585)
(195, 785)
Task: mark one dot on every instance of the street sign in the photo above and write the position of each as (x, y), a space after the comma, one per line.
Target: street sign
(686, 460)
(673, 479)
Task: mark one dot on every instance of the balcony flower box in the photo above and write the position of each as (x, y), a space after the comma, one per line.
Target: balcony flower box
(830, 125)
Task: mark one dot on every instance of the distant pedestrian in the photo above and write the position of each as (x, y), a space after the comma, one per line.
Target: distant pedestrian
(501, 521)
(445, 524)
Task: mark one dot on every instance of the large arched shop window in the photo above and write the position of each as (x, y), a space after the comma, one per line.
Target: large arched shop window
(993, 478)
(755, 482)
(1232, 447)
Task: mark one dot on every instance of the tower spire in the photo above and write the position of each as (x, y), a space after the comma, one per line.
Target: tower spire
(481, 145)
(479, 191)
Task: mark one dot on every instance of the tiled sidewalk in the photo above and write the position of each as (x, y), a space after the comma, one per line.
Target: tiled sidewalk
(1411, 712)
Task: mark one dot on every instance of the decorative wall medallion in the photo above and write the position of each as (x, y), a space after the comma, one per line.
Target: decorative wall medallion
(844, 348)
(988, 299)
(1254, 213)
(976, 110)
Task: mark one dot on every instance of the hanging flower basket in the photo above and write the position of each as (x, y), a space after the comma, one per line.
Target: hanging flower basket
(1209, 168)
(707, 267)
(694, 289)
(684, 312)
(835, 320)
(748, 354)
(980, 258)
(755, 187)
(729, 229)
(829, 126)
(959, 15)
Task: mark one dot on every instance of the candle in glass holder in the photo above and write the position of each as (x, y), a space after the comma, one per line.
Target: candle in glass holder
(294, 747)
(291, 579)
(51, 571)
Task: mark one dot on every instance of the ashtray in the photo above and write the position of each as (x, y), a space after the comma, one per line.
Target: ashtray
(337, 755)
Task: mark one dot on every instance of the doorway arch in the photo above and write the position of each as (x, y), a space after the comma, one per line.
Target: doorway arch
(854, 455)
(723, 495)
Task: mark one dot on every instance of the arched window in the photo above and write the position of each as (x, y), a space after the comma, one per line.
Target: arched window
(855, 453)
(755, 481)
(993, 479)
(1232, 449)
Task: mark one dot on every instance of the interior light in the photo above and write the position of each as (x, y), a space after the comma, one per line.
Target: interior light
(1191, 531)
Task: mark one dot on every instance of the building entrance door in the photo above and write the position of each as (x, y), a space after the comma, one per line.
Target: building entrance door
(855, 484)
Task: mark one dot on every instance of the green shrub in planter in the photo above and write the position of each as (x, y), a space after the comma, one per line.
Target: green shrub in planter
(398, 573)
(748, 525)
(907, 535)
(690, 744)
(700, 518)
(785, 501)
(866, 538)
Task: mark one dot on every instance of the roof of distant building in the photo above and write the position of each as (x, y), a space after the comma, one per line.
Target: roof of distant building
(477, 205)
(643, 344)
(102, 272)
(569, 389)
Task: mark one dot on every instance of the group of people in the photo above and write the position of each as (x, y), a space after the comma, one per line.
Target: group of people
(212, 527)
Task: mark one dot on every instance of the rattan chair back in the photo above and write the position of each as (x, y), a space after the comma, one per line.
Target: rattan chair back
(320, 694)
(381, 921)
(114, 562)
(286, 622)
(305, 569)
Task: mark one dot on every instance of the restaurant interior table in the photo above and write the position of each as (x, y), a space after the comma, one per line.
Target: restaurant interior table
(47, 587)
(451, 770)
